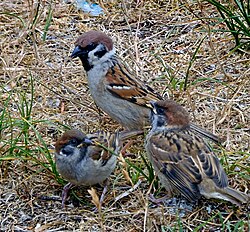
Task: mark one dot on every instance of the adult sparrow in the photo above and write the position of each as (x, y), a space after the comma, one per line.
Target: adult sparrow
(87, 159)
(114, 88)
(183, 161)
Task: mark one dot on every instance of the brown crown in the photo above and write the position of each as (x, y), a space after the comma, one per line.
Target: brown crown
(175, 113)
(67, 136)
(96, 37)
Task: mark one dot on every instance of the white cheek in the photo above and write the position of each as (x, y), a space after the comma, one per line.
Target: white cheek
(94, 60)
(154, 122)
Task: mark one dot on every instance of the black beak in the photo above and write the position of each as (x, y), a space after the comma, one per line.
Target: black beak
(78, 51)
(153, 104)
(87, 141)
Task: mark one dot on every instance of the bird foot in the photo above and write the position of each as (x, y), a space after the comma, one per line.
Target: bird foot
(157, 201)
(65, 192)
(123, 150)
(98, 207)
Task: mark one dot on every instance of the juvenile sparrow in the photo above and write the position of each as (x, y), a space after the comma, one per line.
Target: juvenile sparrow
(183, 161)
(87, 159)
(114, 88)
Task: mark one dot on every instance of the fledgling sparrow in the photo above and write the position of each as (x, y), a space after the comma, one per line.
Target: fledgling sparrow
(114, 88)
(183, 161)
(87, 159)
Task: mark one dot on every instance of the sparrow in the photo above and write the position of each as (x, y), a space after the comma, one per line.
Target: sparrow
(114, 87)
(87, 159)
(183, 161)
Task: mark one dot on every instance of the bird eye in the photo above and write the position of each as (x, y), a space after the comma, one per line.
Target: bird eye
(91, 46)
(74, 142)
(160, 111)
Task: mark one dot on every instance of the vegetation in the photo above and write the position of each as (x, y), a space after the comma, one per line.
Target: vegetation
(43, 93)
(236, 15)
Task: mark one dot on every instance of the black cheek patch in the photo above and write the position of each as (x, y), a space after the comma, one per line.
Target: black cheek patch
(101, 53)
(160, 121)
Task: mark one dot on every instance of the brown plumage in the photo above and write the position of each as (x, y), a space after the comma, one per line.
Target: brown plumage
(94, 37)
(183, 161)
(114, 87)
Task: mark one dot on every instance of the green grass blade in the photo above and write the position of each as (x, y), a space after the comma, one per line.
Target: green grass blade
(15, 16)
(48, 22)
(192, 61)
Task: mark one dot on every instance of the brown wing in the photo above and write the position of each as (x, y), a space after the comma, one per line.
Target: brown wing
(106, 145)
(213, 169)
(121, 83)
(185, 160)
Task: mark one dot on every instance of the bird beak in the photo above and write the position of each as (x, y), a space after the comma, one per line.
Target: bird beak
(152, 103)
(88, 141)
(85, 142)
(77, 52)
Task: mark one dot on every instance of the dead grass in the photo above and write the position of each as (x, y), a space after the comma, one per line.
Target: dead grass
(158, 39)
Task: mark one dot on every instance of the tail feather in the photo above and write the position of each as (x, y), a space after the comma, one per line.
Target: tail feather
(234, 196)
(120, 136)
(205, 133)
(123, 135)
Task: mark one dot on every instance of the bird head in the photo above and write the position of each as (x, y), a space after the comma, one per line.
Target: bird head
(71, 141)
(92, 47)
(169, 114)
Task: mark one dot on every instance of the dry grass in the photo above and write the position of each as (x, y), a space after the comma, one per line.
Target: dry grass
(158, 38)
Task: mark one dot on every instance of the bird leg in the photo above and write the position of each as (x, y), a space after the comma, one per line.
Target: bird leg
(125, 147)
(65, 191)
(98, 205)
(157, 201)
(105, 189)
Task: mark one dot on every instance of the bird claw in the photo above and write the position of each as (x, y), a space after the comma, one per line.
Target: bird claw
(157, 201)
(65, 191)
(125, 147)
